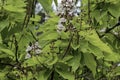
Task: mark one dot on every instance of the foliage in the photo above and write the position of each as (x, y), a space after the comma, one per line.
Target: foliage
(80, 51)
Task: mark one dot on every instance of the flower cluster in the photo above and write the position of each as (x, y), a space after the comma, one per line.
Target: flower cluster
(66, 10)
(66, 7)
(33, 49)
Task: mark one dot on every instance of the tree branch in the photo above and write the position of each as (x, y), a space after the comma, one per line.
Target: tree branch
(110, 29)
(52, 75)
(8, 64)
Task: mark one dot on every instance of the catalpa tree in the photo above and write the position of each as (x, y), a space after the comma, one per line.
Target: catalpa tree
(62, 47)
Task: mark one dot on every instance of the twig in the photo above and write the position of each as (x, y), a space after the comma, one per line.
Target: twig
(16, 49)
(33, 36)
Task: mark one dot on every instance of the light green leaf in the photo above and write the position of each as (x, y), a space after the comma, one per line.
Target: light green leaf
(49, 35)
(7, 51)
(2, 75)
(64, 35)
(36, 19)
(67, 58)
(84, 46)
(93, 38)
(13, 8)
(96, 51)
(75, 46)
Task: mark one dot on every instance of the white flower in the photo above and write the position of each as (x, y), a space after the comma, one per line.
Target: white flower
(54, 6)
(36, 44)
(29, 48)
(38, 8)
(103, 30)
(62, 20)
(38, 51)
(34, 48)
(27, 56)
(118, 64)
(116, 33)
(71, 13)
(60, 27)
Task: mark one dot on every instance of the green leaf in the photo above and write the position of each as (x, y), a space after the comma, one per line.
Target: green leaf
(2, 75)
(3, 24)
(84, 45)
(64, 35)
(114, 10)
(49, 59)
(49, 35)
(56, 2)
(96, 51)
(93, 38)
(90, 62)
(67, 58)
(53, 60)
(75, 46)
(44, 75)
(7, 51)
(13, 8)
(36, 19)
(75, 62)
(16, 3)
(31, 61)
(46, 5)
(41, 75)
(65, 74)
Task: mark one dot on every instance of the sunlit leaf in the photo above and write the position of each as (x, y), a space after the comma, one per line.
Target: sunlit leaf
(7, 51)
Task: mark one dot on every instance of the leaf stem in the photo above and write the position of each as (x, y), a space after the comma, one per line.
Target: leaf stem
(16, 48)
(68, 47)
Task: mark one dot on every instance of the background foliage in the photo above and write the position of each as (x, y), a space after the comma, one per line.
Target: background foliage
(88, 52)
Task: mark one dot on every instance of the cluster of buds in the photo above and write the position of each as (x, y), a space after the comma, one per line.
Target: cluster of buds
(66, 8)
(33, 49)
